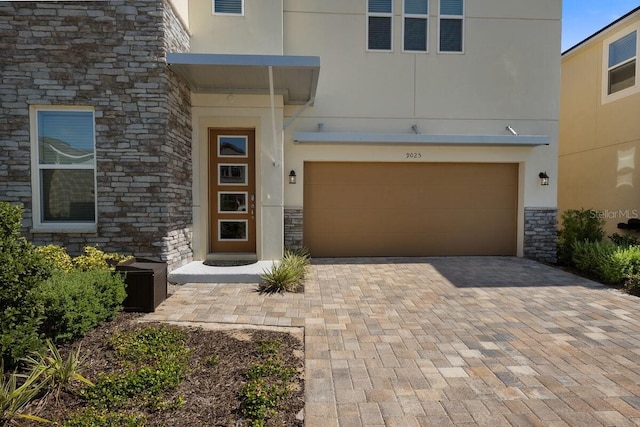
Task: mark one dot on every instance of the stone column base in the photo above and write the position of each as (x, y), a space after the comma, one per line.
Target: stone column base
(293, 222)
(540, 234)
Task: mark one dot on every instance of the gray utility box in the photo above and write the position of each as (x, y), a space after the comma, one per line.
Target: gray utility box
(146, 281)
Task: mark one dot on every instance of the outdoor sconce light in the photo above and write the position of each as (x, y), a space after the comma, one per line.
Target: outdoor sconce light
(292, 177)
(544, 178)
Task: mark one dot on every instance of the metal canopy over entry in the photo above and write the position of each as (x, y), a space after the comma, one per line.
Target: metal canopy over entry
(294, 77)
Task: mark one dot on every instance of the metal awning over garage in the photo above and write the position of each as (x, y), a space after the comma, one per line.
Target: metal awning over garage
(294, 77)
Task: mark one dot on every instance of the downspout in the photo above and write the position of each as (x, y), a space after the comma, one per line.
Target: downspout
(272, 101)
(279, 149)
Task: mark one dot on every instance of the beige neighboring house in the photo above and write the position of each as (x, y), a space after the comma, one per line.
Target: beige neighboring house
(600, 124)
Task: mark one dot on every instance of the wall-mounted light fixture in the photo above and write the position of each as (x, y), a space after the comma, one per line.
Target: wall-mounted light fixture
(544, 178)
(292, 177)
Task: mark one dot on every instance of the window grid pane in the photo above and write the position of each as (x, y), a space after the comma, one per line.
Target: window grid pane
(451, 7)
(451, 35)
(415, 34)
(380, 6)
(228, 6)
(65, 137)
(623, 49)
(379, 33)
(67, 195)
(622, 77)
(416, 7)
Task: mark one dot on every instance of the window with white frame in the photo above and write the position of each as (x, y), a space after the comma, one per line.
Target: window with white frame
(63, 167)
(415, 19)
(379, 24)
(621, 55)
(228, 7)
(451, 26)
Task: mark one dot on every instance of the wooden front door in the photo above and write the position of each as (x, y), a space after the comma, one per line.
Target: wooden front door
(232, 183)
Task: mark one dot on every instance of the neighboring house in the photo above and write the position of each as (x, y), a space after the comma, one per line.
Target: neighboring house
(600, 124)
(189, 128)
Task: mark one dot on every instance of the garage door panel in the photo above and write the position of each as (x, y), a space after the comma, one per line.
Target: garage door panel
(418, 209)
(349, 220)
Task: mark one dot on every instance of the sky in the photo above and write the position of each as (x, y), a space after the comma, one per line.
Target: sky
(582, 18)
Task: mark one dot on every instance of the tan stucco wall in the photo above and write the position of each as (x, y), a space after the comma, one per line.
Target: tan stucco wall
(182, 10)
(498, 81)
(259, 31)
(599, 139)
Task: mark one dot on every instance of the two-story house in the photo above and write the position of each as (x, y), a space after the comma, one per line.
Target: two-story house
(600, 124)
(191, 128)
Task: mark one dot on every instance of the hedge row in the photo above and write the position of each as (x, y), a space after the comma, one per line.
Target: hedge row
(582, 245)
(45, 294)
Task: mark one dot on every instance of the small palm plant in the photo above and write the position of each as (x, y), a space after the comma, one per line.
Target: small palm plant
(57, 372)
(14, 398)
(288, 275)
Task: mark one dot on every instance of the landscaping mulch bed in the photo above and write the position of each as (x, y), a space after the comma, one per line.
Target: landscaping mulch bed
(211, 393)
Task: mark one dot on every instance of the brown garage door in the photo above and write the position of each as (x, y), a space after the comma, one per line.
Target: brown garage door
(410, 209)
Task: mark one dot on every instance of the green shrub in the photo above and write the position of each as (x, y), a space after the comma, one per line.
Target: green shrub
(57, 257)
(578, 226)
(156, 359)
(150, 344)
(591, 257)
(606, 261)
(270, 382)
(624, 240)
(632, 284)
(76, 301)
(22, 271)
(92, 417)
(95, 259)
(625, 262)
(288, 275)
(143, 386)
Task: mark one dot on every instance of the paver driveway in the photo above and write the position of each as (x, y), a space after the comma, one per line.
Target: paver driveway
(447, 341)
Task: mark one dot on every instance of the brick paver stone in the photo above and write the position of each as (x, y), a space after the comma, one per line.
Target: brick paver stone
(446, 341)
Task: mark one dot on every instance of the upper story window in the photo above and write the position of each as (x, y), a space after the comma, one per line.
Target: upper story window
(622, 56)
(451, 26)
(415, 18)
(379, 24)
(63, 168)
(228, 7)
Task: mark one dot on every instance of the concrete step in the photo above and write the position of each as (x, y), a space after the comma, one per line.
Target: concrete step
(197, 272)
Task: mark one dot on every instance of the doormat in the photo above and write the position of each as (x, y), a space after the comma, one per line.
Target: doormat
(227, 262)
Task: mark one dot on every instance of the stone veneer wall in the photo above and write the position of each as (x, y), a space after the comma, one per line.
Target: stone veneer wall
(293, 222)
(540, 234)
(109, 55)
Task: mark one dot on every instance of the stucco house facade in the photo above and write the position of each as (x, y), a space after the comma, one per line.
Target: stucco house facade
(185, 129)
(599, 125)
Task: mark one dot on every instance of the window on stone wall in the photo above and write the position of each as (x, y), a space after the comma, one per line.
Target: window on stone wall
(64, 168)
